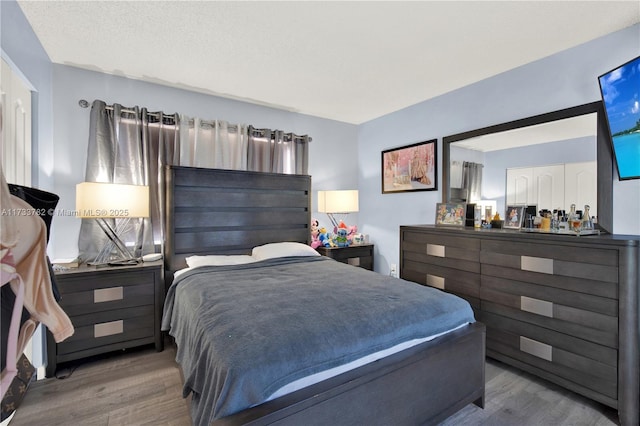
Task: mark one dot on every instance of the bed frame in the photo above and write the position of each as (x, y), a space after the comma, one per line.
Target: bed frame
(228, 212)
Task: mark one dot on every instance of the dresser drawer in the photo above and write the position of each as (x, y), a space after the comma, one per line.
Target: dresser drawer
(559, 354)
(462, 284)
(603, 289)
(441, 246)
(582, 308)
(357, 255)
(447, 279)
(448, 262)
(80, 296)
(591, 264)
(583, 255)
(74, 283)
(590, 334)
(109, 327)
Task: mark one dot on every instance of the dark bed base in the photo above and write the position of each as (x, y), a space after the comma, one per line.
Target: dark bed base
(422, 385)
(229, 212)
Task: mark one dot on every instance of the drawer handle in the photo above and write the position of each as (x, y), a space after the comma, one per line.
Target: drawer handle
(536, 306)
(536, 264)
(107, 294)
(435, 250)
(108, 328)
(435, 281)
(355, 261)
(535, 348)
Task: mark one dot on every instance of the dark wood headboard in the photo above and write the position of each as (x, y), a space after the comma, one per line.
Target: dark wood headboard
(212, 211)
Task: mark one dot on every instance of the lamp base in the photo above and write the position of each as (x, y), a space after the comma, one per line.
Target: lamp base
(114, 252)
(124, 262)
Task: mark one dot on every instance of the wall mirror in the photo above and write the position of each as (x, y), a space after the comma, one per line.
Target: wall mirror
(572, 142)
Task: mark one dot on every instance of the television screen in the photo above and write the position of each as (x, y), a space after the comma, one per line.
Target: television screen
(620, 89)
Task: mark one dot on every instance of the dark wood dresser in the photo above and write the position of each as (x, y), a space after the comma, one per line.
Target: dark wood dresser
(562, 307)
(111, 308)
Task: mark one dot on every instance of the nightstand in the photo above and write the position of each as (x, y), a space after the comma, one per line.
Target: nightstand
(358, 255)
(111, 308)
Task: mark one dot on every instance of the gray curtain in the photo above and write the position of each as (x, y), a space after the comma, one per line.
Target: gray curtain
(128, 146)
(275, 151)
(212, 144)
(472, 180)
(131, 146)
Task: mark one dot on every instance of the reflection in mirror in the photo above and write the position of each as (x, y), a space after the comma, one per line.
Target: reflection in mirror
(549, 161)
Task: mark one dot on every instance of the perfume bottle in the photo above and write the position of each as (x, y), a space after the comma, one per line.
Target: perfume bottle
(555, 221)
(573, 219)
(587, 223)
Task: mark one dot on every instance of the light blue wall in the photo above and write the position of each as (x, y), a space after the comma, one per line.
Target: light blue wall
(563, 80)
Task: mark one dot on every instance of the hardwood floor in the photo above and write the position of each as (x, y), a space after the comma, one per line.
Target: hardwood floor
(143, 387)
(136, 387)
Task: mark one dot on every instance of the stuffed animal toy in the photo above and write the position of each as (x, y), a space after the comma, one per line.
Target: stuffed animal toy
(325, 238)
(340, 239)
(315, 234)
(353, 230)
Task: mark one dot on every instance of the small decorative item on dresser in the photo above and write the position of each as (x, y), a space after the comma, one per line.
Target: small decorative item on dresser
(514, 215)
(451, 214)
(587, 222)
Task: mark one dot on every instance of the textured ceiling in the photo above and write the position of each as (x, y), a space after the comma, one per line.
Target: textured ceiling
(349, 61)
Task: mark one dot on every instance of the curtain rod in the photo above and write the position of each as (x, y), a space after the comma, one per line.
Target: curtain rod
(258, 132)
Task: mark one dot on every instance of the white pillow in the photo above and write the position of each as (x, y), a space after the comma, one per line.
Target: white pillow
(271, 250)
(218, 260)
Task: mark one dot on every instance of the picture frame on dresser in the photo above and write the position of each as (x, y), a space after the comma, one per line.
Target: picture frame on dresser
(410, 168)
(451, 214)
(513, 217)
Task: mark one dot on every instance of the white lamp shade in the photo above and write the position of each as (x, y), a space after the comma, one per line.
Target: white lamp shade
(338, 201)
(111, 200)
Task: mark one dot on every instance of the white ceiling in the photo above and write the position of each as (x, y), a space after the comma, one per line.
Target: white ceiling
(351, 61)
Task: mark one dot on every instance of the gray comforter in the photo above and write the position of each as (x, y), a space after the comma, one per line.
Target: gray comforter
(244, 331)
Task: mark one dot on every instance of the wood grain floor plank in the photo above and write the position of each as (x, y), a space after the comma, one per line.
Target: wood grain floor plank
(144, 387)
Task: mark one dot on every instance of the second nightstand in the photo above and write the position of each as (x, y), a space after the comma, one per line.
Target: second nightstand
(111, 308)
(357, 255)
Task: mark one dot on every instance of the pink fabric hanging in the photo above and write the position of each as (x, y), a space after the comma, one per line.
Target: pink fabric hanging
(7, 275)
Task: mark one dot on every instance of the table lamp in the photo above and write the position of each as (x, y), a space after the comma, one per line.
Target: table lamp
(337, 202)
(102, 201)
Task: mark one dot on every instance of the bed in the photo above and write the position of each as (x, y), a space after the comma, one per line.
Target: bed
(225, 214)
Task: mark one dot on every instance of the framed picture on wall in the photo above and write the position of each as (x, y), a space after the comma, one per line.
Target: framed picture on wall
(451, 214)
(410, 168)
(514, 217)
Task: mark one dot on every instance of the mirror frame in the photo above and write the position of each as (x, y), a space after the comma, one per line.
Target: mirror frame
(603, 152)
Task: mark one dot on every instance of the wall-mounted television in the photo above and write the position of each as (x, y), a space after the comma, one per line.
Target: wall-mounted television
(620, 90)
